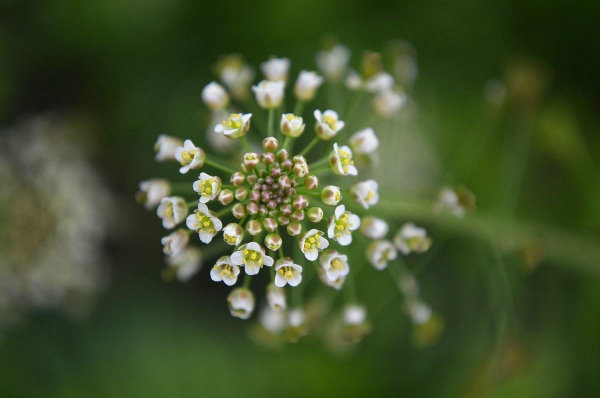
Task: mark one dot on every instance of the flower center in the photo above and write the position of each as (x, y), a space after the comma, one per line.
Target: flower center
(230, 239)
(205, 223)
(168, 209)
(287, 272)
(345, 159)
(188, 156)
(337, 264)
(234, 122)
(252, 258)
(341, 225)
(313, 242)
(330, 121)
(206, 187)
(226, 271)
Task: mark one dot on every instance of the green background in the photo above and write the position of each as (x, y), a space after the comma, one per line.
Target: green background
(134, 69)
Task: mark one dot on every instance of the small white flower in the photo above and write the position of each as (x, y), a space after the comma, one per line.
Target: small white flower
(276, 69)
(333, 63)
(336, 284)
(233, 234)
(269, 94)
(311, 243)
(365, 193)
(252, 256)
(380, 252)
(388, 103)
(331, 195)
(276, 297)
(187, 263)
(328, 124)
(364, 142)
(205, 222)
(418, 310)
(235, 126)
(354, 314)
(207, 186)
(165, 147)
(341, 161)
(291, 125)
(287, 273)
(172, 210)
(457, 201)
(380, 82)
(236, 75)
(353, 80)
(152, 192)
(307, 85)
(341, 225)
(215, 96)
(334, 265)
(241, 303)
(218, 141)
(272, 321)
(411, 238)
(224, 271)
(373, 227)
(189, 156)
(175, 242)
(296, 318)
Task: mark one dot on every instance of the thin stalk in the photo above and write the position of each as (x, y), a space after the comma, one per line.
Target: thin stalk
(245, 144)
(298, 108)
(270, 122)
(310, 146)
(219, 166)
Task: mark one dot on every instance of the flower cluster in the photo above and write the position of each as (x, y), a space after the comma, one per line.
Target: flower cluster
(280, 212)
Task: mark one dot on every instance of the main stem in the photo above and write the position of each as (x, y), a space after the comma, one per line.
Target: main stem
(270, 122)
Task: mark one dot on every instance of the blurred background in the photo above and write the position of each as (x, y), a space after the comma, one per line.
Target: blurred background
(507, 100)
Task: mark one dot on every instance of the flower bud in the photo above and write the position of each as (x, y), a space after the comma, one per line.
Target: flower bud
(253, 227)
(284, 182)
(373, 227)
(226, 197)
(298, 215)
(283, 220)
(270, 144)
(314, 214)
(306, 85)
(276, 297)
(291, 125)
(282, 155)
(299, 159)
(287, 165)
(252, 208)
(300, 169)
(238, 211)
(267, 158)
(270, 224)
(311, 182)
(254, 195)
(273, 241)
(250, 160)
(300, 202)
(286, 209)
(241, 303)
(331, 195)
(215, 96)
(233, 234)
(237, 178)
(241, 193)
(294, 229)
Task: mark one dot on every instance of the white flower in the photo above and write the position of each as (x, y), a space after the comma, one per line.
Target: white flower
(311, 243)
(276, 69)
(175, 242)
(457, 201)
(236, 75)
(241, 303)
(328, 124)
(354, 314)
(215, 96)
(224, 271)
(291, 125)
(204, 222)
(296, 318)
(218, 141)
(411, 238)
(276, 297)
(341, 225)
(272, 321)
(207, 186)
(235, 126)
(233, 234)
(365, 193)
(418, 310)
(307, 85)
(373, 227)
(353, 80)
(331, 195)
(172, 210)
(336, 284)
(380, 252)
(364, 142)
(269, 94)
(189, 156)
(165, 147)
(287, 273)
(187, 263)
(333, 63)
(252, 256)
(152, 192)
(380, 82)
(341, 161)
(334, 265)
(388, 103)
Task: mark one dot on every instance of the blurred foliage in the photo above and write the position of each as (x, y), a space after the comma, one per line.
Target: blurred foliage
(520, 310)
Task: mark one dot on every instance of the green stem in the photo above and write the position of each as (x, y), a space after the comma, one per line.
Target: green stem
(244, 143)
(298, 108)
(321, 162)
(286, 142)
(310, 146)
(192, 204)
(281, 252)
(219, 166)
(270, 122)
(183, 187)
(247, 281)
(224, 211)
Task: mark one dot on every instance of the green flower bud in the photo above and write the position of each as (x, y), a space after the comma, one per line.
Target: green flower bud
(314, 214)
(226, 197)
(273, 241)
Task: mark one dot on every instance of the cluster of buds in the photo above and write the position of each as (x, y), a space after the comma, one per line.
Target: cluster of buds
(272, 210)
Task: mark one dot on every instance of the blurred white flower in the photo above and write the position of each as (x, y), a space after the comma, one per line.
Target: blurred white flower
(165, 147)
(380, 252)
(172, 210)
(175, 242)
(152, 192)
(411, 238)
(333, 63)
(364, 142)
(269, 94)
(388, 103)
(373, 227)
(365, 193)
(307, 85)
(241, 303)
(186, 264)
(215, 96)
(276, 69)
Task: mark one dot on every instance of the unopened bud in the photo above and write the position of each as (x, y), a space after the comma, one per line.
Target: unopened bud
(294, 229)
(233, 234)
(286, 209)
(252, 208)
(331, 195)
(311, 182)
(283, 220)
(267, 158)
(284, 182)
(251, 179)
(301, 169)
(226, 197)
(270, 144)
(273, 241)
(314, 214)
(270, 224)
(250, 160)
(287, 165)
(238, 211)
(300, 202)
(237, 178)
(241, 193)
(283, 155)
(253, 227)
(298, 215)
